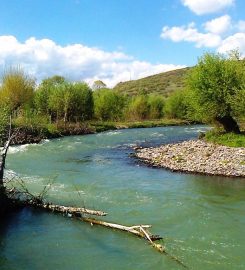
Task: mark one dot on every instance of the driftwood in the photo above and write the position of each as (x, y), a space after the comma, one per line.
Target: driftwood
(70, 211)
(25, 198)
(138, 230)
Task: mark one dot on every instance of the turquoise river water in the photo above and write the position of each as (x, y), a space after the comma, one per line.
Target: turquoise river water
(201, 218)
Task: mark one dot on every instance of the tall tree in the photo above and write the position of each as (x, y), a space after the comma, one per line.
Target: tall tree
(17, 88)
(83, 108)
(215, 84)
(41, 99)
(108, 105)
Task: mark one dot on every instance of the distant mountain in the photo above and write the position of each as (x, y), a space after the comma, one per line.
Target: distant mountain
(163, 83)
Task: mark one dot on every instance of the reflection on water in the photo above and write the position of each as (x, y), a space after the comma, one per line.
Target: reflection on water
(200, 217)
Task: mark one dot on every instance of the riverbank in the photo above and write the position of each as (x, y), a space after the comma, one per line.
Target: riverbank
(35, 133)
(196, 156)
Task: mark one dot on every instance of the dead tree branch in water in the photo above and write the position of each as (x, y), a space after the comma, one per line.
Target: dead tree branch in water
(25, 198)
(81, 214)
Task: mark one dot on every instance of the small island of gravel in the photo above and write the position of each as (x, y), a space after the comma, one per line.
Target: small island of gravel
(196, 156)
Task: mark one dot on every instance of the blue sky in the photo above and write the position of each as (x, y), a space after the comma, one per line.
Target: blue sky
(115, 40)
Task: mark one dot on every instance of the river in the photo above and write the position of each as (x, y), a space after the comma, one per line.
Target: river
(201, 218)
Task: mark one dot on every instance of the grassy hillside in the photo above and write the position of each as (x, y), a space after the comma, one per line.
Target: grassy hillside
(163, 83)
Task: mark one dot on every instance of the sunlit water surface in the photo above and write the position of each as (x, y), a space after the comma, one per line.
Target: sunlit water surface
(201, 218)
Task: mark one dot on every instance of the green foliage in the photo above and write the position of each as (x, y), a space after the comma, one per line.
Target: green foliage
(4, 122)
(17, 89)
(64, 100)
(41, 99)
(53, 81)
(57, 104)
(160, 84)
(83, 102)
(176, 106)
(58, 100)
(99, 126)
(154, 123)
(217, 87)
(29, 118)
(108, 105)
(138, 108)
(238, 103)
(228, 139)
(156, 105)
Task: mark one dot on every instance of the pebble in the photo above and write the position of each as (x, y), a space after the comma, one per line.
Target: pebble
(196, 156)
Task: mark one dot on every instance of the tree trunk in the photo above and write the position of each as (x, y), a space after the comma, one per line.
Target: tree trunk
(229, 124)
(4, 202)
(1, 170)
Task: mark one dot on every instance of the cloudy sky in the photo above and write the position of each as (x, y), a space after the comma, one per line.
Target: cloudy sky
(115, 40)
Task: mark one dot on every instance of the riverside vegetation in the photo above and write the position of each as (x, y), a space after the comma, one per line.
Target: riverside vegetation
(217, 91)
(58, 107)
(212, 92)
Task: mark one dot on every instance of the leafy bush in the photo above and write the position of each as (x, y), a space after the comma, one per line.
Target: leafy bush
(17, 89)
(156, 106)
(138, 108)
(108, 105)
(176, 105)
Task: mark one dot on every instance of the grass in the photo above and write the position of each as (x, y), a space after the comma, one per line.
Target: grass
(99, 126)
(162, 84)
(227, 139)
(34, 129)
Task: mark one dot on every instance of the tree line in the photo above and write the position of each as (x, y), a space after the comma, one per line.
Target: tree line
(215, 93)
(57, 99)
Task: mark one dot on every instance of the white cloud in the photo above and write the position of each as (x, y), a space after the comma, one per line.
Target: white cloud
(236, 41)
(191, 34)
(44, 58)
(219, 25)
(219, 33)
(207, 6)
(241, 26)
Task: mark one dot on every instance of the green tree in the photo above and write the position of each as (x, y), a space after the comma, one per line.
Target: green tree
(4, 122)
(216, 83)
(108, 105)
(84, 102)
(17, 89)
(41, 99)
(63, 101)
(156, 105)
(176, 105)
(138, 108)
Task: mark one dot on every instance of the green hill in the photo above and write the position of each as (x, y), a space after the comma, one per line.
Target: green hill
(163, 83)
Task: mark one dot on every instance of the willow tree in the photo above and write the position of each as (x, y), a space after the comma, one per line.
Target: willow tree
(17, 88)
(216, 84)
